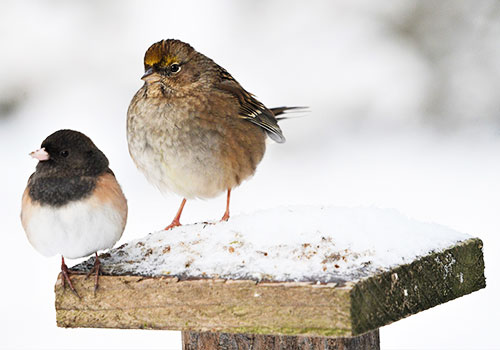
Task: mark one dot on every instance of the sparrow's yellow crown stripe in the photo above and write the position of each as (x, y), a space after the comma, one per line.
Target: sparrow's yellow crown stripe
(156, 58)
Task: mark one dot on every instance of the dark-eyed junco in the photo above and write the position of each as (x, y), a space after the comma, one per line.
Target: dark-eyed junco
(72, 204)
(192, 129)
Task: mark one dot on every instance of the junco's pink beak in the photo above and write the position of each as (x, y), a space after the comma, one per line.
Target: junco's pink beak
(40, 154)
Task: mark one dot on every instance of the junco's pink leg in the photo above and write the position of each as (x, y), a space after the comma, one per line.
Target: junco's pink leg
(65, 277)
(97, 269)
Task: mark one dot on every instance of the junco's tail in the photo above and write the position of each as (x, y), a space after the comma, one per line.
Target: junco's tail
(282, 110)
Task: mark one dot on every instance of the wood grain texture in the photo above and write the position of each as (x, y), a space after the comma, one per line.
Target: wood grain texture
(209, 305)
(229, 341)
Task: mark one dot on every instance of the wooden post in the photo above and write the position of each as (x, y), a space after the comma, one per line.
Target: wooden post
(231, 341)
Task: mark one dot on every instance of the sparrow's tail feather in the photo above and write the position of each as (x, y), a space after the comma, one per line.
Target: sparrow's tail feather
(282, 110)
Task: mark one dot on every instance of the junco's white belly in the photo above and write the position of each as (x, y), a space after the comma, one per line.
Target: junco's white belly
(74, 230)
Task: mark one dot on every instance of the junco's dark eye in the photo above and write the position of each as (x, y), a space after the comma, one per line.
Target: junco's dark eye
(174, 68)
(64, 153)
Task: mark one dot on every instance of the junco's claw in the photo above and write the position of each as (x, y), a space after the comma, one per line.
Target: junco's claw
(97, 269)
(65, 278)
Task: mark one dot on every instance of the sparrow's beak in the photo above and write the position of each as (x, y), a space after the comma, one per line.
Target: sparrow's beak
(147, 73)
(150, 76)
(40, 154)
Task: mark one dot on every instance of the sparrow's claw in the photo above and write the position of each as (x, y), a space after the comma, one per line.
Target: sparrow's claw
(174, 223)
(225, 217)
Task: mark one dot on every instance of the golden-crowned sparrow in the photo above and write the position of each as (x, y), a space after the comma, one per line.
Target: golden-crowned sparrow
(192, 129)
(72, 204)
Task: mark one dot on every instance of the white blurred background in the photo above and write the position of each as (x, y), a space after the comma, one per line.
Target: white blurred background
(404, 113)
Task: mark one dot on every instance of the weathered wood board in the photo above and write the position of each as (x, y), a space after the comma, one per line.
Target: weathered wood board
(343, 309)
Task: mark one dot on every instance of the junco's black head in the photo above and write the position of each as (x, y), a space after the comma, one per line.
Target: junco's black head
(69, 153)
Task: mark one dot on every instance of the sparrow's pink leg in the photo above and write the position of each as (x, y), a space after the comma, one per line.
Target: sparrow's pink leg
(176, 221)
(226, 214)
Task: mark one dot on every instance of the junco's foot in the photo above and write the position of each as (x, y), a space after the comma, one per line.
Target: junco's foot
(192, 129)
(72, 204)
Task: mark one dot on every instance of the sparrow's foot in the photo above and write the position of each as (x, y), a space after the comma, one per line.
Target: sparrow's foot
(65, 278)
(174, 223)
(97, 269)
(225, 217)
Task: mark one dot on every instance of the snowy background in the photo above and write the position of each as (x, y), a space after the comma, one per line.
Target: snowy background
(404, 114)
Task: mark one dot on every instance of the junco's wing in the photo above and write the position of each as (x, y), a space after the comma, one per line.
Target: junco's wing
(250, 108)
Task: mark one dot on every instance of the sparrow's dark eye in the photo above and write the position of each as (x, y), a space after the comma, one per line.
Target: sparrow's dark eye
(174, 68)
(64, 153)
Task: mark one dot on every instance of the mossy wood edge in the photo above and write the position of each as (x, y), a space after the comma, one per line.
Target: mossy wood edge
(275, 308)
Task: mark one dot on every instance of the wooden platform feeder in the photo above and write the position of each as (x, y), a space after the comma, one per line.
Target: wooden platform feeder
(223, 313)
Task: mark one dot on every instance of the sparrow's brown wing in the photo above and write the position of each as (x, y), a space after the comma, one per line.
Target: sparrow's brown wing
(250, 108)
